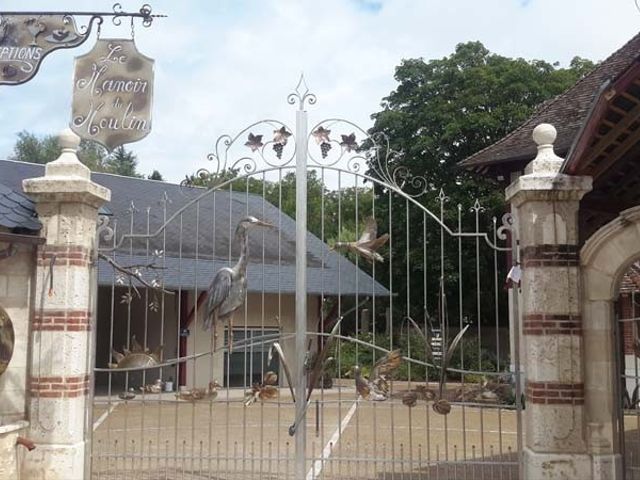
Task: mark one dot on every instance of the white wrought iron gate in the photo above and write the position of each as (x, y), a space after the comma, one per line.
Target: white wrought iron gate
(377, 260)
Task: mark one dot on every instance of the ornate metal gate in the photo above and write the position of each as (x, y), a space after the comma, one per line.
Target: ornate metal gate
(388, 323)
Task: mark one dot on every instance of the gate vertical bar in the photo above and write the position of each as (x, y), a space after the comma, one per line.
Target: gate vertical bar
(301, 286)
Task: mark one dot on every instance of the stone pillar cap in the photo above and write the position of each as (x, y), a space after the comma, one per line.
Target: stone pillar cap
(546, 163)
(66, 177)
(67, 164)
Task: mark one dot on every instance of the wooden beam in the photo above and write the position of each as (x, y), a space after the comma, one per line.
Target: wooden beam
(610, 138)
(630, 97)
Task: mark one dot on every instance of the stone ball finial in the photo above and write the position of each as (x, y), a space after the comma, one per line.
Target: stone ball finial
(68, 140)
(544, 134)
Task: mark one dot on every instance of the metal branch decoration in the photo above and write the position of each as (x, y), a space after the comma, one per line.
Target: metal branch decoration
(128, 275)
(441, 405)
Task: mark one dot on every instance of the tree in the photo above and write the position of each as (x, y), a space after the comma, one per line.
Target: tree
(122, 162)
(441, 112)
(156, 175)
(34, 149)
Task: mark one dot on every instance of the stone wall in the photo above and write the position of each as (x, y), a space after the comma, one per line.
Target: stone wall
(16, 285)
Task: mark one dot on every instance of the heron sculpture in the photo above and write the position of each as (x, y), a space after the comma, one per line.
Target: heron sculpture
(228, 288)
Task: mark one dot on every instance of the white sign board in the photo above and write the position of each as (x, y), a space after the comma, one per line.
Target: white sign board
(112, 93)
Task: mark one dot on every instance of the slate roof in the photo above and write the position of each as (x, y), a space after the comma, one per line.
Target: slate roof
(17, 210)
(567, 112)
(196, 241)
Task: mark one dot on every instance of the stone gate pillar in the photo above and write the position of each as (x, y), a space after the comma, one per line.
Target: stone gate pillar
(545, 203)
(67, 203)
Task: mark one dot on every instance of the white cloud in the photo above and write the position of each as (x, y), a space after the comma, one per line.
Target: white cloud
(223, 65)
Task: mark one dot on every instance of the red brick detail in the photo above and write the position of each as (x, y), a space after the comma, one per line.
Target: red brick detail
(555, 393)
(626, 311)
(550, 256)
(66, 255)
(59, 387)
(551, 324)
(62, 320)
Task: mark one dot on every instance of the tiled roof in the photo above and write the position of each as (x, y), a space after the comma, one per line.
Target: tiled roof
(17, 210)
(567, 112)
(199, 240)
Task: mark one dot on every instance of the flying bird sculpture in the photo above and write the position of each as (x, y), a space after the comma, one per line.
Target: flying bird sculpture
(377, 388)
(228, 289)
(368, 243)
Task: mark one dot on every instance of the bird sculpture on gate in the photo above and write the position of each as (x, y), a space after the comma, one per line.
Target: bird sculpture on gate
(377, 388)
(367, 244)
(228, 288)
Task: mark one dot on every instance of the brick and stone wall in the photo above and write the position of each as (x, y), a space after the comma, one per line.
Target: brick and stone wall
(16, 289)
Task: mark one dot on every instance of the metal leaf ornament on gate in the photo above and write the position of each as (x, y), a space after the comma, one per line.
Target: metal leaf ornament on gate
(112, 93)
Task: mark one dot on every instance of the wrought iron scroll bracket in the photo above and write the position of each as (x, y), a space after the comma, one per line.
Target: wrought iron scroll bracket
(104, 230)
(49, 31)
(116, 15)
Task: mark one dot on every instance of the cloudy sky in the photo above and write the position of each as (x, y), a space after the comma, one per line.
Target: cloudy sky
(221, 65)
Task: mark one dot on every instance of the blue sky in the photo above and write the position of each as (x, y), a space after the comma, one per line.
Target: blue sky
(221, 65)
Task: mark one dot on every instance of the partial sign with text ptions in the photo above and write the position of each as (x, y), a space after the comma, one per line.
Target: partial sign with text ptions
(112, 93)
(26, 39)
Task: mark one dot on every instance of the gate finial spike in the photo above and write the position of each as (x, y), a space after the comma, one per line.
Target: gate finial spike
(301, 94)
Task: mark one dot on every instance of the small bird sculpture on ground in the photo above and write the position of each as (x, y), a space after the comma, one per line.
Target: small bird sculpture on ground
(377, 388)
(228, 288)
(267, 390)
(128, 395)
(155, 387)
(211, 392)
(368, 244)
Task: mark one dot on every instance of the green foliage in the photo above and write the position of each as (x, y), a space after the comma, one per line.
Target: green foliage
(33, 149)
(323, 219)
(156, 175)
(441, 112)
(122, 162)
(30, 148)
(468, 356)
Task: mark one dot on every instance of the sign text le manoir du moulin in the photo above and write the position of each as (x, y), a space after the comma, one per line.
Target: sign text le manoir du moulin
(112, 93)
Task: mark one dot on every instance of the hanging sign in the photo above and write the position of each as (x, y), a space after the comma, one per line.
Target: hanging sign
(26, 39)
(112, 93)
